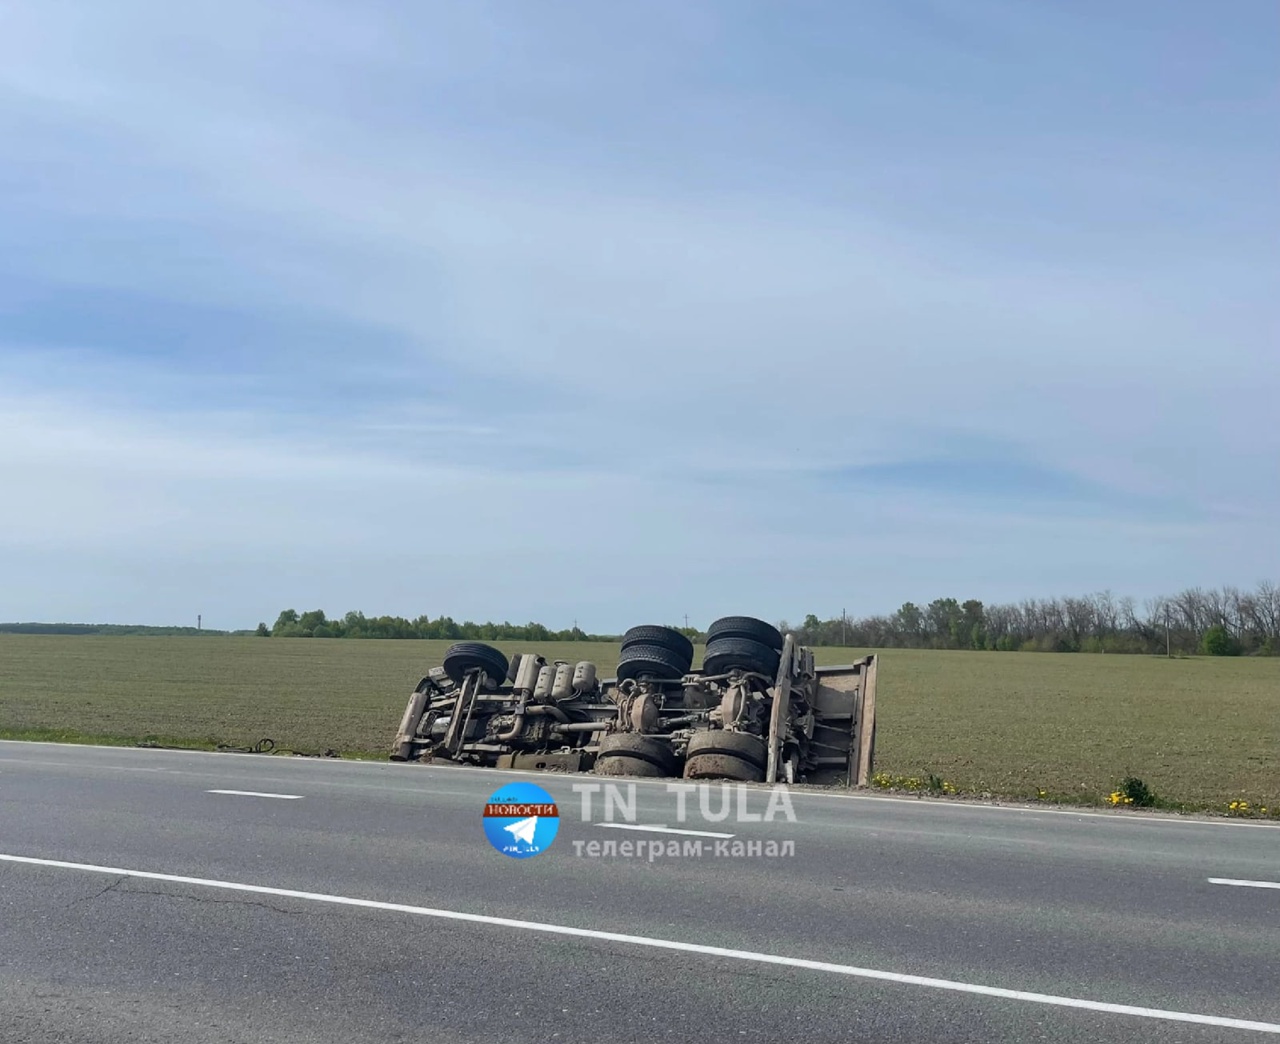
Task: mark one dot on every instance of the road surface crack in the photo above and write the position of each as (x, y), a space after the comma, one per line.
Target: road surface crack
(259, 904)
(101, 892)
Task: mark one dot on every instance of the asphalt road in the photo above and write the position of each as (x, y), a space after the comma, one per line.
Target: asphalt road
(331, 913)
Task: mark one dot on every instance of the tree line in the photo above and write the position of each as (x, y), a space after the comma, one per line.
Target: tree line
(115, 629)
(1220, 621)
(314, 624)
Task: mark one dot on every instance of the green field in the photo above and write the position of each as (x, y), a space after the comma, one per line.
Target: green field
(1200, 732)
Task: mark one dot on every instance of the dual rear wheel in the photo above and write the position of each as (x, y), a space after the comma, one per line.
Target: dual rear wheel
(714, 754)
(717, 754)
(631, 754)
(660, 653)
(742, 643)
(733, 643)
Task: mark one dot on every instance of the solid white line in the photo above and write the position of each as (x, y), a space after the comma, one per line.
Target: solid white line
(662, 829)
(1244, 884)
(668, 944)
(255, 793)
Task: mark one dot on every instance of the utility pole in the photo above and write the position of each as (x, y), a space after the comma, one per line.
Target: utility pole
(844, 639)
(686, 621)
(199, 618)
(1168, 648)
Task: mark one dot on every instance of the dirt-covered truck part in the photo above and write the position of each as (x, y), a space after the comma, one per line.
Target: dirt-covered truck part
(757, 710)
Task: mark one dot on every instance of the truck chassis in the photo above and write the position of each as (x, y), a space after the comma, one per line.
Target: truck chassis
(757, 710)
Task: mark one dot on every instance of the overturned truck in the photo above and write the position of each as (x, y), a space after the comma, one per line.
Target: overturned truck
(757, 710)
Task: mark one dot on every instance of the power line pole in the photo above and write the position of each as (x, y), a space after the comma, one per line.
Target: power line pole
(1168, 648)
(686, 621)
(844, 638)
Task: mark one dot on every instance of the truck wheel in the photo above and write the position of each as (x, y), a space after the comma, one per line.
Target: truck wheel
(746, 627)
(654, 661)
(724, 654)
(722, 766)
(665, 637)
(462, 657)
(629, 754)
(744, 746)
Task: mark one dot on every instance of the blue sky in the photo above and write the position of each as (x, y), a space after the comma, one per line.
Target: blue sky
(614, 313)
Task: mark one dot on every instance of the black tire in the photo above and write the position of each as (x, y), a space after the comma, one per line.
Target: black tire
(725, 654)
(741, 745)
(746, 627)
(623, 765)
(722, 766)
(663, 637)
(630, 754)
(654, 661)
(462, 657)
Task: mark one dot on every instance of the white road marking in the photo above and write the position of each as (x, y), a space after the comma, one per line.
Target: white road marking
(669, 944)
(1244, 884)
(255, 793)
(431, 774)
(663, 829)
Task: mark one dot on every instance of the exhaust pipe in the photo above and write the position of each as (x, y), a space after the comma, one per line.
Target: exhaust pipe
(517, 723)
(523, 710)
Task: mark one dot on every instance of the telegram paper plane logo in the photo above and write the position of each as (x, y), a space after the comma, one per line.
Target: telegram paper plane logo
(521, 820)
(524, 829)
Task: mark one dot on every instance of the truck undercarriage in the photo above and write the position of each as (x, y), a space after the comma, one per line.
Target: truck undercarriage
(757, 710)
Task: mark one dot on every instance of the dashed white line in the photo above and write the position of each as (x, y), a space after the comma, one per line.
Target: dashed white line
(669, 944)
(929, 804)
(255, 793)
(663, 829)
(1244, 884)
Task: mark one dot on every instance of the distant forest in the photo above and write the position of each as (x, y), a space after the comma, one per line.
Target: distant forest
(113, 629)
(314, 624)
(1219, 622)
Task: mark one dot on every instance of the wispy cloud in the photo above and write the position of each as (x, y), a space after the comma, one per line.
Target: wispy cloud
(377, 305)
